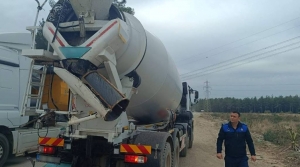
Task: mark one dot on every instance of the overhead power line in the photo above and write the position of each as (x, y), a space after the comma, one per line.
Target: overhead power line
(198, 75)
(209, 56)
(258, 55)
(184, 60)
(228, 90)
(237, 57)
(293, 84)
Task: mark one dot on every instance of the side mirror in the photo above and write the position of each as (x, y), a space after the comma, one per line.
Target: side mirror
(185, 88)
(196, 94)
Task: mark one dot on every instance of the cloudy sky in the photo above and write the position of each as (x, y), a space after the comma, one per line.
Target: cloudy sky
(242, 48)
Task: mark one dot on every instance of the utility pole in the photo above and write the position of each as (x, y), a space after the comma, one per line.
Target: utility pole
(207, 106)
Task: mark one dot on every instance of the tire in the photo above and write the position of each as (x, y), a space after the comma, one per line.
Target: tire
(160, 157)
(121, 164)
(166, 157)
(183, 152)
(191, 139)
(190, 142)
(175, 153)
(4, 149)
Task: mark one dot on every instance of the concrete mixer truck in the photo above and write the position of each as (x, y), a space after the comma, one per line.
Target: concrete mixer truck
(126, 104)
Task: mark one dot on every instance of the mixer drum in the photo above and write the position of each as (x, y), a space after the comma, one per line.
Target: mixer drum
(160, 87)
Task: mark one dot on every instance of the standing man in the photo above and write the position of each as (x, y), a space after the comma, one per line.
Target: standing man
(236, 135)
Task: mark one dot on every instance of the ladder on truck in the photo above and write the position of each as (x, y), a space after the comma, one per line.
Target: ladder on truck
(35, 97)
(42, 58)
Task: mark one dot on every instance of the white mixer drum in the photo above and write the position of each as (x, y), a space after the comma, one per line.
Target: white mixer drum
(160, 88)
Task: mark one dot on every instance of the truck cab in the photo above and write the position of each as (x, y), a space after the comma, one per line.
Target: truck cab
(14, 74)
(18, 135)
(185, 113)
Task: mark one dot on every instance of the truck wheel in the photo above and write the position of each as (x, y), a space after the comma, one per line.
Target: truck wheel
(183, 152)
(166, 158)
(190, 143)
(121, 164)
(191, 139)
(4, 149)
(175, 153)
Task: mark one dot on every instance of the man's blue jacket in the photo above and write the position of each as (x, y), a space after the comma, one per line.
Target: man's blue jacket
(235, 140)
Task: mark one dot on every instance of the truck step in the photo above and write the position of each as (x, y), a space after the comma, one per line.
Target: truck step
(34, 96)
(38, 71)
(37, 84)
(39, 55)
(29, 108)
(34, 111)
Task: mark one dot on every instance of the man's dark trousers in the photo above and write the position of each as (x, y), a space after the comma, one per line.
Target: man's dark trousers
(236, 162)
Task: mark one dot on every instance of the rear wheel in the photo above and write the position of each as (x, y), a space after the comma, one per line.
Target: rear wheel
(121, 163)
(175, 153)
(191, 138)
(4, 149)
(161, 155)
(166, 158)
(183, 152)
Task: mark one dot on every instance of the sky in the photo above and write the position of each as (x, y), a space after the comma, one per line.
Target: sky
(242, 48)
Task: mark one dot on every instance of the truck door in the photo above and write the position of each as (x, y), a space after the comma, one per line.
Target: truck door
(9, 88)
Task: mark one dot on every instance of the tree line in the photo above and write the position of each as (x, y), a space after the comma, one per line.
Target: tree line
(258, 105)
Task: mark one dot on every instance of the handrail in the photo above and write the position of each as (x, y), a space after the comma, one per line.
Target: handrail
(40, 7)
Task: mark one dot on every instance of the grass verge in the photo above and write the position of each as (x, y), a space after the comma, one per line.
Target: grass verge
(281, 129)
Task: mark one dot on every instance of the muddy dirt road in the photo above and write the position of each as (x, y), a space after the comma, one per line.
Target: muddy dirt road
(203, 153)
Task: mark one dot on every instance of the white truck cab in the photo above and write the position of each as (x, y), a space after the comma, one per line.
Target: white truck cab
(18, 135)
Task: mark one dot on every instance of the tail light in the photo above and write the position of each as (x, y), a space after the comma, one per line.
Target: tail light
(46, 150)
(135, 159)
